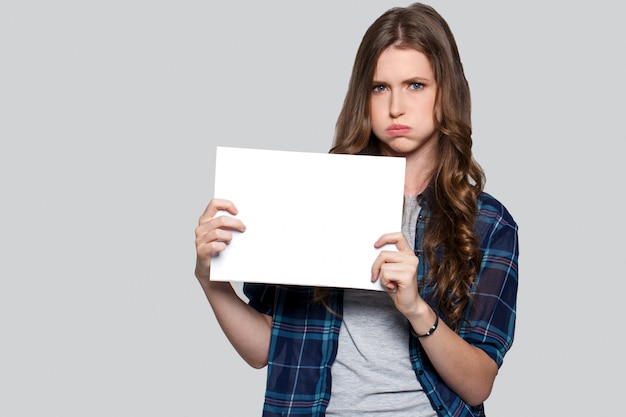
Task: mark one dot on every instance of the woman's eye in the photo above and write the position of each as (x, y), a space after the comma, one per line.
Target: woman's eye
(378, 88)
(417, 86)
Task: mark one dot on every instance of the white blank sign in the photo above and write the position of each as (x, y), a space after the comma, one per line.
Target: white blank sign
(311, 218)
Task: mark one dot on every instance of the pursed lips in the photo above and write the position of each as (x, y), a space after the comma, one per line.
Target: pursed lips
(397, 130)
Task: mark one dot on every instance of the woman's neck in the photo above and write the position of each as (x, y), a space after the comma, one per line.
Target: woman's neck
(418, 175)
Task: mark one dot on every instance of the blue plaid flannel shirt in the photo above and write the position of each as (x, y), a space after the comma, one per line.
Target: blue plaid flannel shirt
(304, 335)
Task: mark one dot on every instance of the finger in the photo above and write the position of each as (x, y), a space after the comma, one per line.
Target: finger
(387, 259)
(397, 239)
(218, 229)
(389, 277)
(214, 235)
(207, 249)
(390, 256)
(213, 242)
(394, 257)
(216, 205)
(221, 222)
(396, 278)
(389, 285)
(377, 266)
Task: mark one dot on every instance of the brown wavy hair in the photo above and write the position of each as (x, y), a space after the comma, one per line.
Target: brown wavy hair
(457, 178)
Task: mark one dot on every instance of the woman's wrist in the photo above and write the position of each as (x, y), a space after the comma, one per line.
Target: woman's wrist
(425, 322)
(203, 273)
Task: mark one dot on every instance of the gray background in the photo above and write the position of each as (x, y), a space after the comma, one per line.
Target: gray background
(110, 113)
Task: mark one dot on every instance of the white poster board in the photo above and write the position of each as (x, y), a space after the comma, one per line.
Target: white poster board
(311, 218)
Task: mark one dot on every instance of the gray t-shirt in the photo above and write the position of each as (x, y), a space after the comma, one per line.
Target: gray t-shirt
(372, 374)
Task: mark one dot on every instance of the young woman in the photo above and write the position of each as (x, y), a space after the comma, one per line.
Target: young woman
(432, 345)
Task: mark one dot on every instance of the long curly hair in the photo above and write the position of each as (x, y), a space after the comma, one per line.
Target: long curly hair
(457, 179)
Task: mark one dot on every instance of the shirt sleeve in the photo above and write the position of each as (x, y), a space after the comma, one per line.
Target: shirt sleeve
(260, 297)
(491, 324)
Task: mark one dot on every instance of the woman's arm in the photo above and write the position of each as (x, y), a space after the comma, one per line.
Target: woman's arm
(466, 369)
(246, 329)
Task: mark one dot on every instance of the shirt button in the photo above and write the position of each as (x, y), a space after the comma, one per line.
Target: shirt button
(420, 372)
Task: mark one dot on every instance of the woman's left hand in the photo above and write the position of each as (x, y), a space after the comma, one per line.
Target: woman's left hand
(397, 272)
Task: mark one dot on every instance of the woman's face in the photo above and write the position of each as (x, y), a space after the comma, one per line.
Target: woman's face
(402, 101)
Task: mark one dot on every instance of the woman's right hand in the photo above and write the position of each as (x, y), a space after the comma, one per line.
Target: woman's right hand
(247, 330)
(213, 235)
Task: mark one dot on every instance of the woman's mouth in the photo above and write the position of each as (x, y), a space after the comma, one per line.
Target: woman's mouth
(397, 130)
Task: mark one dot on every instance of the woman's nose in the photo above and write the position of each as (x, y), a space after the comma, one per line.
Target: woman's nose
(396, 105)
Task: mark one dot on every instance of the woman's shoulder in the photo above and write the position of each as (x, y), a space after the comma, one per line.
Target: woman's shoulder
(495, 227)
(489, 207)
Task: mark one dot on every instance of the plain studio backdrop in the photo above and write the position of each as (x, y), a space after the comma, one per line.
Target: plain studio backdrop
(110, 113)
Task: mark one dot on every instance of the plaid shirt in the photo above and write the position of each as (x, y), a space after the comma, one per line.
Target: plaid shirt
(304, 334)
